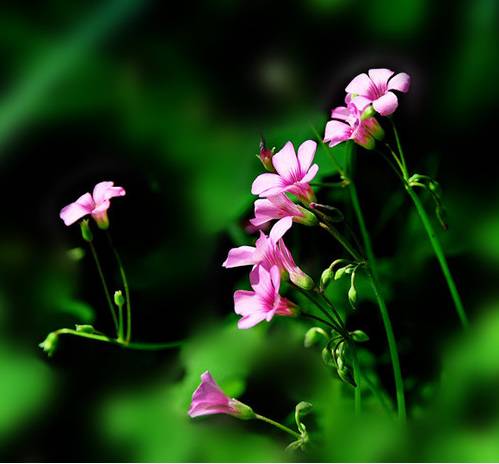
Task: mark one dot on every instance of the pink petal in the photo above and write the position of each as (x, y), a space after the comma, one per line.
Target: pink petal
(337, 132)
(306, 153)
(360, 103)
(208, 398)
(244, 302)
(265, 211)
(264, 290)
(280, 228)
(286, 163)
(341, 112)
(362, 85)
(363, 138)
(74, 211)
(386, 104)
(105, 190)
(267, 182)
(380, 77)
(400, 82)
(241, 256)
(312, 172)
(246, 322)
(275, 277)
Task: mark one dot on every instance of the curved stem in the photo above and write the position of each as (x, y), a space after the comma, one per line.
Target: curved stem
(399, 147)
(278, 425)
(113, 341)
(317, 318)
(343, 242)
(104, 286)
(373, 278)
(127, 290)
(437, 248)
(333, 308)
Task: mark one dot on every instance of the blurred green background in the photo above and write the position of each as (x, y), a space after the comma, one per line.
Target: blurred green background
(169, 100)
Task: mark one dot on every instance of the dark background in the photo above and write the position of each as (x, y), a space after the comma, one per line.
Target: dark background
(169, 101)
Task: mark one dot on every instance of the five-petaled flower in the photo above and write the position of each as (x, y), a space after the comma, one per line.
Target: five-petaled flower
(293, 173)
(209, 398)
(348, 124)
(96, 205)
(377, 85)
(264, 302)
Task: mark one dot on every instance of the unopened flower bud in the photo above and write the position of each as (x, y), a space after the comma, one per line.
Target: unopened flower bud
(119, 299)
(302, 280)
(307, 218)
(369, 112)
(49, 345)
(313, 335)
(326, 277)
(265, 156)
(86, 232)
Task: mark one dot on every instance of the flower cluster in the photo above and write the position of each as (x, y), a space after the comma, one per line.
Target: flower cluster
(270, 257)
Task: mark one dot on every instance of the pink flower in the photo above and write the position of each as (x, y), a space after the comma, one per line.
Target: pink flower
(264, 301)
(208, 398)
(347, 124)
(280, 207)
(376, 86)
(270, 251)
(96, 205)
(293, 172)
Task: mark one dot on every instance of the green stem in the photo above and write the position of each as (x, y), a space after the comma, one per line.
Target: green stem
(399, 147)
(317, 318)
(333, 308)
(279, 426)
(127, 290)
(357, 377)
(104, 286)
(437, 248)
(343, 242)
(113, 341)
(121, 328)
(375, 391)
(372, 273)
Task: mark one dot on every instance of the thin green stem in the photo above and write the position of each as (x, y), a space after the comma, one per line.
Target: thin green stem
(399, 147)
(317, 318)
(324, 145)
(113, 341)
(121, 328)
(343, 241)
(127, 290)
(278, 425)
(357, 377)
(333, 308)
(375, 391)
(372, 273)
(437, 248)
(104, 286)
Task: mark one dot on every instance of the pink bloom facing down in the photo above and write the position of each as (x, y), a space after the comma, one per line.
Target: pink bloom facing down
(347, 124)
(209, 398)
(274, 207)
(293, 173)
(264, 301)
(96, 205)
(270, 251)
(377, 86)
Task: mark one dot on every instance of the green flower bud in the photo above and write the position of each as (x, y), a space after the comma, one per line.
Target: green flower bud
(49, 345)
(241, 410)
(326, 277)
(369, 112)
(308, 218)
(119, 299)
(313, 335)
(352, 296)
(359, 336)
(302, 280)
(86, 328)
(86, 232)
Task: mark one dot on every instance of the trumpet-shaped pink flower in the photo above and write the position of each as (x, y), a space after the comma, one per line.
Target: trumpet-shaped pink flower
(209, 398)
(264, 302)
(270, 251)
(293, 173)
(347, 124)
(96, 205)
(377, 86)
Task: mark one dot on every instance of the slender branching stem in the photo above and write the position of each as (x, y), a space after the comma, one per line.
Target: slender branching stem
(278, 425)
(127, 290)
(104, 286)
(357, 378)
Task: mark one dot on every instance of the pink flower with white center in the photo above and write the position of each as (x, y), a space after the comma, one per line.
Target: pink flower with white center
(96, 205)
(347, 124)
(377, 86)
(209, 398)
(280, 207)
(270, 251)
(293, 173)
(264, 302)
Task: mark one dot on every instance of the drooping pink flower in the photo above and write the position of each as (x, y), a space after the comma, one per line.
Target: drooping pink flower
(293, 173)
(377, 86)
(264, 302)
(280, 207)
(96, 205)
(348, 124)
(270, 251)
(209, 398)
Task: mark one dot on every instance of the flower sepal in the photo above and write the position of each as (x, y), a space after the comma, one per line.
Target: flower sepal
(241, 410)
